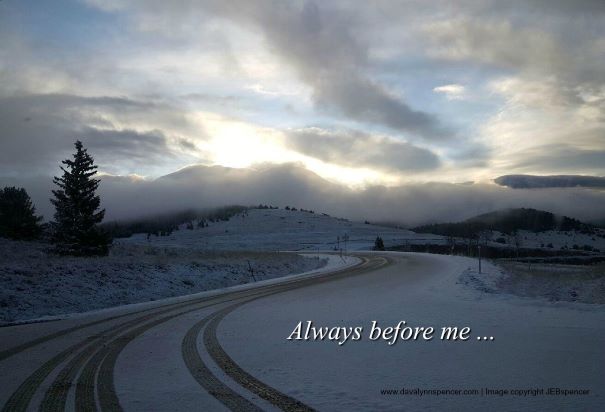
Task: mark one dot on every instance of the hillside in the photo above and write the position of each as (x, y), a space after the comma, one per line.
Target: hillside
(165, 223)
(508, 221)
(279, 229)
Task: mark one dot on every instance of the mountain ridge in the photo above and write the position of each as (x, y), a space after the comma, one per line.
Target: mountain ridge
(508, 221)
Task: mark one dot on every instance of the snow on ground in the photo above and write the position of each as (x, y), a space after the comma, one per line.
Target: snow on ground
(552, 240)
(141, 269)
(537, 344)
(552, 282)
(34, 283)
(561, 240)
(280, 229)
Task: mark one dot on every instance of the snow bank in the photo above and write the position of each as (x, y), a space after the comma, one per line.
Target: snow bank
(35, 283)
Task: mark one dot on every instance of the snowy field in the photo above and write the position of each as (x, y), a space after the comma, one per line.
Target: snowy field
(280, 229)
(554, 240)
(562, 240)
(543, 282)
(554, 282)
(35, 284)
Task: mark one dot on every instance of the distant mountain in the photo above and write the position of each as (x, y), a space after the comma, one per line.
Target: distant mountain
(293, 179)
(201, 173)
(542, 182)
(507, 221)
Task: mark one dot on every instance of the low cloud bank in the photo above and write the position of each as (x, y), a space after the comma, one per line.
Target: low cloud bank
(290, 184)
(534, 182)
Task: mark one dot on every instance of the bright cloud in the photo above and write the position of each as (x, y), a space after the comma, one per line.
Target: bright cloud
(452, 91)
(376, 93)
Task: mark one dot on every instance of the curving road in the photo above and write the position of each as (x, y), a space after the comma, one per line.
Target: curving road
(64, 366)
(228, 351)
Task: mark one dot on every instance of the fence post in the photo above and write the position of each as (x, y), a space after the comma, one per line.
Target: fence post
(479, 248)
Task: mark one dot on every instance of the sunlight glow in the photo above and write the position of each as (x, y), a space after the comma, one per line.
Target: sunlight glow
(238, 144)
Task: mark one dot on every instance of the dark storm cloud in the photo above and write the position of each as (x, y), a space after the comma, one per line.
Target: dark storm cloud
(364, 100)
(357, 149)
(540, 182)
(125, 143)
(39, 130)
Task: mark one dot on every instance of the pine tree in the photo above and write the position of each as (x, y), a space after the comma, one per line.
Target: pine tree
(75, 230)
(378, 243)
(18, 218)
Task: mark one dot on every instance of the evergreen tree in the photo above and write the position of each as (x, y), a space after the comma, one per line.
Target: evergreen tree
(378, 243)
(18, 218)
(75, 230)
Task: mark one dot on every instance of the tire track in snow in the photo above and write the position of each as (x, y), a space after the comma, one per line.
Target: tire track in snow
(103, 361)
(21, 398)
(7, 353)
(106, 363)
(203, 375)
(243, 378)
(55, 398)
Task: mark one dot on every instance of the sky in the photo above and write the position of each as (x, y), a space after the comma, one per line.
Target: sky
(393, 95)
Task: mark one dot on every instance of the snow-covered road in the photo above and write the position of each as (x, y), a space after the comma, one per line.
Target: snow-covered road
(536, 344)
(228, 350)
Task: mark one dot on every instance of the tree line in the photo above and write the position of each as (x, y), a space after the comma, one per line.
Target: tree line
(75, 228)
(507, 221)
(166, 223)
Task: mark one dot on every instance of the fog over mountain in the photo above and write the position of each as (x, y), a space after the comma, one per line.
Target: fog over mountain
(291, 184)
